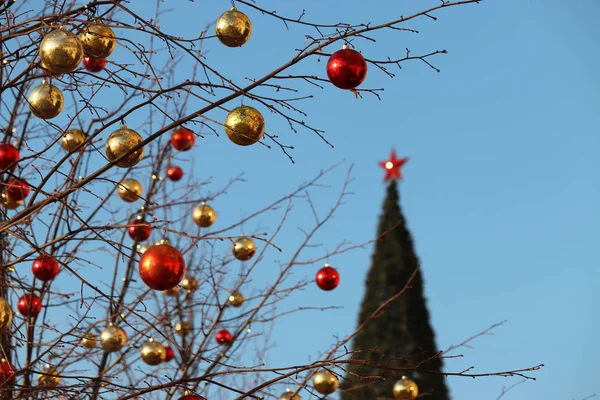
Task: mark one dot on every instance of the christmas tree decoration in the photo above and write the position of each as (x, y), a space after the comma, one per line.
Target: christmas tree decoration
(243, 248)
(9, 156)
(325, 382)
(169, 353)
(289, 395)
(223, 337)
(71, 139)
(191, 397)
(129, 190)
(174, 291)
(121, 142)
(244, 125)
(235, 299)
(45, 268)
(174, 173)
(153, 353)
(392, 167)
(182, 139)
(7, 371)
(46, 101)
(89, 340)
(162, 267)
(17, 189)
(190, 284)
(94, 64)
(204, 215)
(327, 278)
(346, 68)
(98, 41)
(139, 229)
(112, 338)
(405, 389)
(49, 379)
(233, 28)
(6, 315)
(10, 203)
(60, 52)
(29, 305)
(183, 328)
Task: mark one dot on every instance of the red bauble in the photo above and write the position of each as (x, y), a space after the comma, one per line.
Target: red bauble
(29, 305)
(347, 69)
(139, 229)
(6, 371)
(94, 64)
(174, 173)
(17, 189)
(162, 267)
(183, 139)
(223, 337)
(8, 155)
(45, 268)
(191, 397)
(327, 278)
(169, 353)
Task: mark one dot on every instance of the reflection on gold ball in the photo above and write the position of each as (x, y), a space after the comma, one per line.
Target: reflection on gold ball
(174, 291)
(46, 101)
(236, 299)
(189, 283)
(204, 215)
(129, 190)
(98, 41)
(243, 248)
(49, 379)
(153, 353)
(289, 395)
(244, 125)
(71, 139)
(89, 340)
(325, 382)
(6, 315)
(60, 52)
(405, 389)
(113, 338)
(233, 28)
(183, 328)
(120, 142)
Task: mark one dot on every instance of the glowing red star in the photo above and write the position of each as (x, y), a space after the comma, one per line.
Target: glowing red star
(392, 167)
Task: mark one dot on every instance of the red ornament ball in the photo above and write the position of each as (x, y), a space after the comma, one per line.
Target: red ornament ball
(327, 278)
(8, 155)
(162, 267)
(169, 353)
(17, 189)
(6, 371)
(29, 305)
(94, 64)
(45, 268)
(139, 229)
(346, 69)
(192, 397)
(183, 139)
(174, 173)
(223, 337)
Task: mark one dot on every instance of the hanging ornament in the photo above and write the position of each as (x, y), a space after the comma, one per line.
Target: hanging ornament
(405, 389)
(9, 156)
(174, 291)
(190, 284)
(327, 278)
(113, 338)
(49, 379)
(346, 68)
(174, 173)
(243, 248)
(325, 382)
(182, 139)
(289, 395)
(169, 353)
(60, 52)
(235, 299)
(142, 248)
(244, 125)
(89, 340)
(153, 353)
(183, 328)
(29, 305)
(17, 189)
(46, 101)
(71, 139)
(10, 203)
(45, 268)
(162, 267)
(129, 190)
(233, 28)
(98, 41)
(7, 371)
(94, 64)
(223, 337)
(6, 314)
(191, 397)
(120, 142)
(204, 215)
(138, 229)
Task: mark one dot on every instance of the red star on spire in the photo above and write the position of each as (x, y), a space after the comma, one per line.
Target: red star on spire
(392, 167)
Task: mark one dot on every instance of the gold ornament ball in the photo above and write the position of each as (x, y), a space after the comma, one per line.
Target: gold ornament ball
(244, 125)
(204, 215)
(405, 389)
(71, 139)
(113, 338)
(325, 382)
(49, 379)
(129, 190)
(183, 328)
(236, 299)
(120, 142)
(6, 315)
(172, 292)
(98, 41)
(243, 248)
(89, 340)
(60, 52)
(153, 353)
(190, 283)
(233, 28)
(289, 395)
(46, 101)
(10, 203)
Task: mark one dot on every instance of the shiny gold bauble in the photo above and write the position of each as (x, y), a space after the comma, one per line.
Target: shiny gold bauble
(113, 338)
(289, 395)
(190, 283)
(153, 353)
(89, 340)
(235, 299)
(174, 291)
(405, 389)
(98, 41)
(233, 28)
(120, 142)
(60, 52)
(129, 190)
(10, 203)
(6, 315)
(243, 248)
(49, 379)
(204, 215)
(183, 328)
(71, 139)
(46, 101)
(244, 125)
(325, 382)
